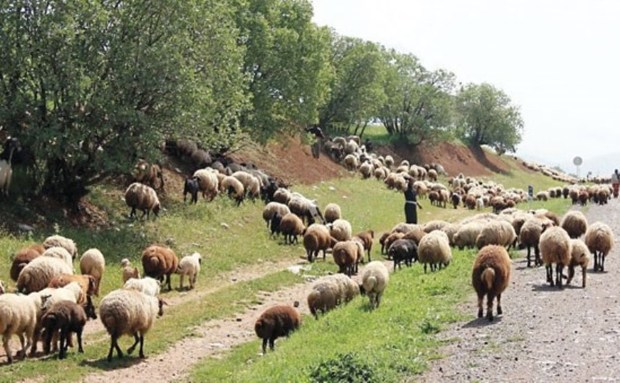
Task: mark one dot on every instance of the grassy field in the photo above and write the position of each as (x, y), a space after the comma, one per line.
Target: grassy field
(394, 341)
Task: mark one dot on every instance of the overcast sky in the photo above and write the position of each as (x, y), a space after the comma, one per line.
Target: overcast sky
(558, 60)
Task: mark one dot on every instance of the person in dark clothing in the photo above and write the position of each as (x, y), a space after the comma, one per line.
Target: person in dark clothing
(411, 203)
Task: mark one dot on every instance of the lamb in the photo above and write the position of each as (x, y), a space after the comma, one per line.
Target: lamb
(159, 261)
(92, 263)
(499, 232)
(555, 247)
(60, 253)
(580, 256)
(575, 223)
(128, 312)
(208, 183)
(142, 197)
(87, 283)
(529, 236)
(191, 187)
(347, 255)
(18, 316)
(274, 207)
(374, 281)
(599, 239)
(317, 238)
(332, 212)
(341, 230)
(23, 257)
(128, 270)
(66, 317)
(146, 285)
(275, 322)
(190, 266)
(291, 226)
(36, 275)
(403, 250)
(435, 249)
(491, 276)
(366, 239)
(60, 241)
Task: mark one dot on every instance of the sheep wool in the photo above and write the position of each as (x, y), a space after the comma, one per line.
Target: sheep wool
(575, 223)
(146, 285)
(555, 247)
(434, 249)
(36, 275)
(275, 322)
(23, 257)
(128, 270)
(374, 281)
(92, 263)
(490, 277)
(159, 262)
(60, 241)
(18, 316)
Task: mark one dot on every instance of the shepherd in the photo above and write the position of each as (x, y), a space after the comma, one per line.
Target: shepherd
(411, 203)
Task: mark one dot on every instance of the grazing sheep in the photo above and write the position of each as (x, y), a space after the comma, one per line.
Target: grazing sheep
(66, 317)
(467, 234)
(403, 250)
(348, 289)
(60, 253)
(128, 270)
(317, 238)
(92, 263)
(575, 223)
(347, 255)
(275, 322)
(208, 183)
(159, 261)
(341, 230)
(147, 285)
(148, 174)
(332, 212)
(331, 291)
(60, 241)
(366, 239)
(374, 281)
(251, 184)
(23, 257)
(272, 208)
(234, 188)
(497, 232)
(36, 275)
(391, 239)
(555, 247)
(491, 276)
(128, 312)
(580, 256)
(274, 225)
(190, 266)
(18, 316)
(87, 283)
(191, 187)
(599, 239)
(291, 226)
(435, 249)
(305, 208)
(142, 197)
(282, 195)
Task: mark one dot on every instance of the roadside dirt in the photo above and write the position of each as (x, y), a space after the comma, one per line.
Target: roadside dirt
(545, 334)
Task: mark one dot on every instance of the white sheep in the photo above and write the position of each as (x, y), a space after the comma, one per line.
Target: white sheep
(36, 275)
(129, 271)
(599, 239)
(18, 316)
(208, 182)
(434, 248)
(60, 253)
(272, 208)
(142, 197)
(466, 235)
(341, 230)
(190, 266)
(60, 241)
(147, 285)
(332, 212)
(128, 312)
(555, 247)
(374, 281)
(92, 263)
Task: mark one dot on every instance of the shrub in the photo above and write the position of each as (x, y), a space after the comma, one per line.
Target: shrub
(344, 368)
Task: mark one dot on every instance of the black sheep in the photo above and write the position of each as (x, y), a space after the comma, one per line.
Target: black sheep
(403, 250)
(191, 186)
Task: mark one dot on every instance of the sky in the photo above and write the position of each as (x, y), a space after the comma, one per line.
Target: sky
(558, 60)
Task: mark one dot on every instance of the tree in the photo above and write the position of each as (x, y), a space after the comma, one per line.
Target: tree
(419, 103)
(356, 86)
(286, 64)
(91, 86)
(487, 117)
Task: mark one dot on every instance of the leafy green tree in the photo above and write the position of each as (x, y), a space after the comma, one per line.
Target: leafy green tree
(419, 102)
(286, 62)
(356, 87)
(91, 86)
(488, 117)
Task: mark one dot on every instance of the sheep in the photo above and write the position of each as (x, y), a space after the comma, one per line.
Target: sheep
(490, 277)
(347, 256)
(23, 257)
(142, 197)
(291, 226)
(234, 187)
(575, 223)
(391, 239)
(147, 285)
(282, 195)
(341, 230)
(18, 316)
(36, 275)
(434, 248)
(498, 232)
(60, 253)
(599, 239)
(128, 270)
(382, 240)
(92, 263)
(434, 225)
(331, 291)
(60, 241)
(366, 239)
(190, 266)
(555, 247)
(350, 162)
(148, 174)
(467, 234)
(66, 317)
(251, 184)
(317, 238)
(374, 281)
(208, 183)
(580, 256)
(274, 207)
(275, 322)
(128, 312)
(403, 250)
(159, 261)
(305, 208)
(348, 289)
(366, 169)
(529, 236)
(87, 283)
(191, 187)
(332, 212)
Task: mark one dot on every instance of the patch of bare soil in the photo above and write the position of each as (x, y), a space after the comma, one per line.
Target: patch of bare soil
(545, 334)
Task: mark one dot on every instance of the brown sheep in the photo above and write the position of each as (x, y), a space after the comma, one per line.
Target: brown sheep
(490, 277)
(382, 240)
(366, 239)
(580, 256)
(23, 257)
(391, 239)
(291, 226)
(275, 322)
(600, 240)
(159, 261)
(148, 174)
(87, 283)
(347, 255)
(142, 197)
(317, 238)
(555, 247)
(66, 317)
(575, 223)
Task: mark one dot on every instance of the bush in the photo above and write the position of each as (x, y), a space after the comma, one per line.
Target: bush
(344, 368)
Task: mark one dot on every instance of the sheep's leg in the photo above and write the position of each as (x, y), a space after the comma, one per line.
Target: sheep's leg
(571, 274)
(537, 260)
(499, 304)
(480, 299)
(64, 344)
(425, 268)
(21, 353)
(135, 343)
(528, 256)
(79, 338)
(141, 345)
(595, 260)
(549, 270)
(378, 298)
(181, 281)
(168, 282)
(602, 261)
(266, 339)
(490, 298)
(583, 277)
(114, 345)
(558, 274)
(271, 342)
(7, 349)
